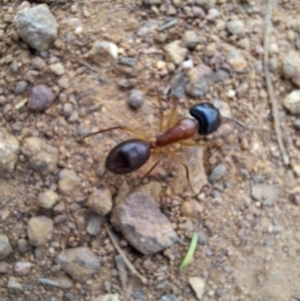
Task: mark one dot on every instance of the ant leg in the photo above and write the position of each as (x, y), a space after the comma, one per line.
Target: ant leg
(120, 127)
(172, 113)
(187, 173)
(150, 170)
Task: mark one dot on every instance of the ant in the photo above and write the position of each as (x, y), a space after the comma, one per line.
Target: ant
(132, 154)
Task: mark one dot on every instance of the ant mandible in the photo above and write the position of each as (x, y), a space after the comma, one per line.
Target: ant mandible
(132, 154)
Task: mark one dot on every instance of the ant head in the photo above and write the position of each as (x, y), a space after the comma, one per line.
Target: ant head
(208, 117)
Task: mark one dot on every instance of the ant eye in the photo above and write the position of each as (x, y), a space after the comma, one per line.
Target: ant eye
(208, 117)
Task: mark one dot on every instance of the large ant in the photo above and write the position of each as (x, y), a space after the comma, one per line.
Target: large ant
(132, 154)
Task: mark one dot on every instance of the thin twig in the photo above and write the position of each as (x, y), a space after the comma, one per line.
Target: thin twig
(274, 104)
(127, 262)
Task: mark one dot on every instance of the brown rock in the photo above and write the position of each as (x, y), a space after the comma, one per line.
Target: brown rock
(100, 201)
(39, 230)
(191, 208)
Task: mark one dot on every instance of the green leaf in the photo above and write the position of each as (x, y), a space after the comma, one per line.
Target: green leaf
(190, 253)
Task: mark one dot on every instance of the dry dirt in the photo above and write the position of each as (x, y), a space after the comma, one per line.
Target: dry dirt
(248, 251)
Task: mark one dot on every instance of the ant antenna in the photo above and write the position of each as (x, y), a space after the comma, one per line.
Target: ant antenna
(234, 121)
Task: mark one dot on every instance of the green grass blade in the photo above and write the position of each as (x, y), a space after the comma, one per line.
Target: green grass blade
(190, 253)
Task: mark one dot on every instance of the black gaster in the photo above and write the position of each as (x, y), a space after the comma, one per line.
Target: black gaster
(208, 117)
(128, 156)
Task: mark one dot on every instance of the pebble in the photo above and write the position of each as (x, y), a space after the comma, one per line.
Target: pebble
(296, 169)
(41, 98)
(21, 87)
(191, 208)
(80, 263)
(14, 285)
(190, 39)
(37, 26)
(142, 223)
(57, 69)
(200, 77)
(198, 286)
(218, 173)
(108, 297)
(212, 15)
(136, 99)
(22, 267)
(5, 247)
(68, 109)
(9, 146)
(63, 281)
(296, 79)
(178, 83)
(38, 63)
(127, 83)
(39, 230)
(175, 52)
(68, 181)
(128, 61)
(169, 297)
(47, 281)
(42, 157)
(206, 4)
(100, 201)
(198, 12)
(290, 64)
(104, 54)
(235, 27)
(94, 224)
(265, 194)
(23, 245)
(292, 102)
(4, 267)
(236, 61)
(48, 199)
(139, 296)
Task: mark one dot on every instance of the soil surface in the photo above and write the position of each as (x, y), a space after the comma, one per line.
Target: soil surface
(247, 213)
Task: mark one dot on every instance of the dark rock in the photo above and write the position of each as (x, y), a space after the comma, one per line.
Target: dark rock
(41, 98)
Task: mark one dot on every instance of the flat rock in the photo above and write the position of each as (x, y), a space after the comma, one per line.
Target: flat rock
(265, 194)
(5, 247)
(42, 157)
(39, 230)
(292, 102)
(142, 223)
(9, 149)
(37, 26)
(198, 286)
(80, 263)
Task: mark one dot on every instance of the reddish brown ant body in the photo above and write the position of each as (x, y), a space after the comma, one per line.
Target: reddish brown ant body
(131, 154)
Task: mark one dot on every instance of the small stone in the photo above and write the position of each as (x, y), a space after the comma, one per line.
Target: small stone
(22, 268)
(175, 52)
(42, 157)
(9, 149)
(292, 102)
(108, 297)
(136, 99)
(63, 281)
(5, 247)
(139, 296)
(104, 53)
(37, 26)
(38, 63)
(198, 286)
(178, 83)
(190, 39)
(191, 208)
(68, 109)
(39, 230)
(290, 64)
(235, 27)
(41, 98)
(80, 263)
(236, 61)
(94, 224)
(206, 4)
(198, 12)
(142, 223)
(296, 79)
(4, 267)
(48, 199)
(218, 173)
(68, 181)
(296, 169)
(212, 15)
(127, 83)
(265, 194)
(169, 297)
(57, 68)
(14, 285)
(21, 87)
(23, 245)
(100, 201)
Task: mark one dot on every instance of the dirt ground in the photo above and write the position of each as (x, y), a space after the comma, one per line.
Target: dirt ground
(248, 249)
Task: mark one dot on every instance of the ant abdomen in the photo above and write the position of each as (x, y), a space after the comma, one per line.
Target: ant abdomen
(207, 116)
(128, 156)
